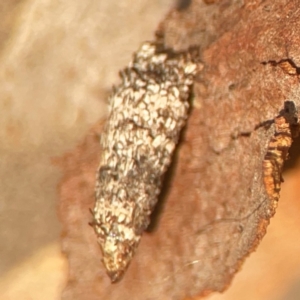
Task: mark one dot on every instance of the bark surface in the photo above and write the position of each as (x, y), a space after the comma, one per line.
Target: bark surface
(218, 196)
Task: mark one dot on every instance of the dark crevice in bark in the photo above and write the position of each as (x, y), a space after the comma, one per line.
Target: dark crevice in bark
(286, 64)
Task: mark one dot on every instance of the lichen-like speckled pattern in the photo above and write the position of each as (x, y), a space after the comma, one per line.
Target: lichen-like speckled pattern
(147, 112)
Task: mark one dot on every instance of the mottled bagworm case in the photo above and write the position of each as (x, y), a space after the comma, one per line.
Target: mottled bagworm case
(147, 112)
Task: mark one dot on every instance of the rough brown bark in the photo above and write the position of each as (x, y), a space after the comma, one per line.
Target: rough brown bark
(218, 197)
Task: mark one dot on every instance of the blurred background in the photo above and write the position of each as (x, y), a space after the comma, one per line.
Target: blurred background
(58, 61)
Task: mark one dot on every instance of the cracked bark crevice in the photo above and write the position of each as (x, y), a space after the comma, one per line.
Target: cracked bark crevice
(286, 128)
(286, 64)
(290, 114)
